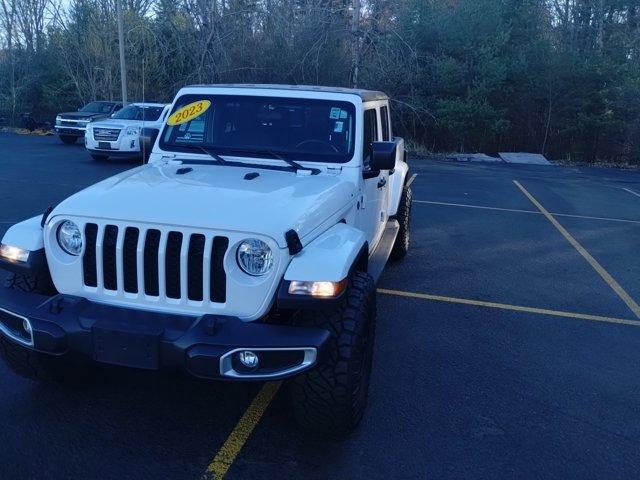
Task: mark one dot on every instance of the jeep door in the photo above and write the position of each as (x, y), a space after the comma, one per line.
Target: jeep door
(376, 189)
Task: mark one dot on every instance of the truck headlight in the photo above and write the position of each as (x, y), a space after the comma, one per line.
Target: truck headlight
(70, 238)
(132, 131)
(58, 120)
(254, 257)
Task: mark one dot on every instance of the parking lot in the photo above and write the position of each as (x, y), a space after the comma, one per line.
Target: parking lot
(508, 346)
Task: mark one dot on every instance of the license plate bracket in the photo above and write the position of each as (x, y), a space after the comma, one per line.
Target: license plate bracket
(104, 145)
(120, 345)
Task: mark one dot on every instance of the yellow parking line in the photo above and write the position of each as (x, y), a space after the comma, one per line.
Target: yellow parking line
(615, 286)
(516, 210)
(506, 306)
(225, 457)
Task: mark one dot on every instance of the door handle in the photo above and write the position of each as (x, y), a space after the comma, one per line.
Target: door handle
(382, 182)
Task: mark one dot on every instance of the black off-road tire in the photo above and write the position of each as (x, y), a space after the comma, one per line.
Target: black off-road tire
(331, 398)
(403, 240)
(29, 363)
(100, 158)
(68, 139)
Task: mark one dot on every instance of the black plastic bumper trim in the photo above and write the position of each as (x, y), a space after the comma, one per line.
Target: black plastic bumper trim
(64, 323)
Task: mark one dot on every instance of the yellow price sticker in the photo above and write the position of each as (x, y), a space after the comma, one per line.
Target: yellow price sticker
(188, 112)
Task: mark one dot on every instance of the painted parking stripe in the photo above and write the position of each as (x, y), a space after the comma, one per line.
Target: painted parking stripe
(506, 306)
(615, 286)
(225, 457)
(516, 210)
(480, 207)
(631, 192)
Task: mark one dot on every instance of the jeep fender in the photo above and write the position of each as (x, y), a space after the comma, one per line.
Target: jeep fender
(329, 257)
(27, 235)
(397, 179)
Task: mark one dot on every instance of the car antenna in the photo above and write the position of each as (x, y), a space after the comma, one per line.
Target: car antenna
(142, 144)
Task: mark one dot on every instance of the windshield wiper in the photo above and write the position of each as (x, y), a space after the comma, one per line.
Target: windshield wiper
(211, 153)
(218, 160)
(295, 165)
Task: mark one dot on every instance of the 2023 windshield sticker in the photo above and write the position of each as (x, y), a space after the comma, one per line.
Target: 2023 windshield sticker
(188, 112)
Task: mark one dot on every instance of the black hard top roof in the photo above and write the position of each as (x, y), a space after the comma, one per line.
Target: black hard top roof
(365, 95)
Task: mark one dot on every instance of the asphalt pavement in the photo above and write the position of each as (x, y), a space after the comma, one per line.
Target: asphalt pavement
(508, 346)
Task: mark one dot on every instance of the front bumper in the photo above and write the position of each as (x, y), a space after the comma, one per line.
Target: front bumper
(71, 131)
(124, 145)
(203, 346)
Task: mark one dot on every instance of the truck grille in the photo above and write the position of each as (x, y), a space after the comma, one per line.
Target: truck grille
(159, 263)
(106, 134)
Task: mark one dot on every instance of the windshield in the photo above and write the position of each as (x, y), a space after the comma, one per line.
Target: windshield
(97, 107)
(295, 128)
(136, 112)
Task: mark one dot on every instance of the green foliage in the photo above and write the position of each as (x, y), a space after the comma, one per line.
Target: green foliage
(557, 77)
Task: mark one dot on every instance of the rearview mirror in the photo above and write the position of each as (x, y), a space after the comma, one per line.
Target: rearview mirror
(383, 156)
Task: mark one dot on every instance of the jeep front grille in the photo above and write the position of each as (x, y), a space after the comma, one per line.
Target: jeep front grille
(159, 263)
(106, 134)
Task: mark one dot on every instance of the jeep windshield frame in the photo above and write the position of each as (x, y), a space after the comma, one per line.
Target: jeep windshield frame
(265, 127)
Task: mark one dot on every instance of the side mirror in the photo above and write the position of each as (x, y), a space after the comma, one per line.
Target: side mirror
(383, 156)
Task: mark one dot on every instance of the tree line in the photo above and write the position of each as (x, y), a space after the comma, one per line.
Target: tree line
(559, 77)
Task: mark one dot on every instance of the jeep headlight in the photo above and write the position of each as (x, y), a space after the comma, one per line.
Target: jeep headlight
(254, 257)
(132, 131)
(70, 238)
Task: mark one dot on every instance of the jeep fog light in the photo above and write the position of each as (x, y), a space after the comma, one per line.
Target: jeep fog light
(14, 254)
(318, 289)
(254, 257)
(248, 359)
(26, 326)
(70, 238)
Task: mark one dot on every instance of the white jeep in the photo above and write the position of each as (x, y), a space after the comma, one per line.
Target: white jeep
(246, 249)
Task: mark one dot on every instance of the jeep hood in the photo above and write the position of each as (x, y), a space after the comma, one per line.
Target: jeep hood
(120, 123)
(217, 197)
(81, 115)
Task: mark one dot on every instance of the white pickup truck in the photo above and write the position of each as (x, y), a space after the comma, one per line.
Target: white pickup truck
(123, 133)
(247, 248)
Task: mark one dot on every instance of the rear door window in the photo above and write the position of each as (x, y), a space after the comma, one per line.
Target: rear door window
(384, 118)
(370, 126)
